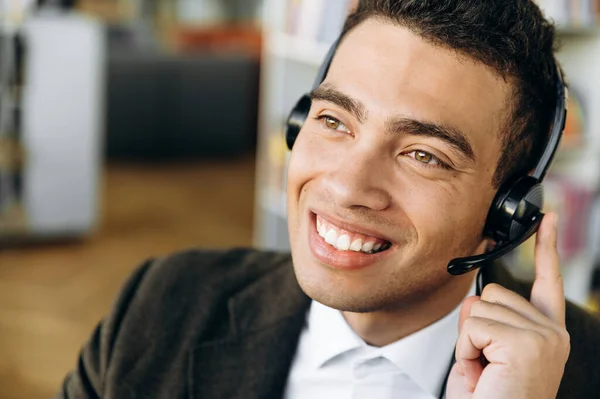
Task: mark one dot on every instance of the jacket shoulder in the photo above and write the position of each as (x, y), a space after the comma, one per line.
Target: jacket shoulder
(223, 270)
(190, 290)
(580, 379)
(166, 307)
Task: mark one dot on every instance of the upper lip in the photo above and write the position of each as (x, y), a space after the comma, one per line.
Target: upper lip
(351, 227)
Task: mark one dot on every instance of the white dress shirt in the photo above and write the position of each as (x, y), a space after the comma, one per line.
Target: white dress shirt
(333, 362)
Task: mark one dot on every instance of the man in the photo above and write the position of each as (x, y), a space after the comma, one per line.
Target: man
(428, 107)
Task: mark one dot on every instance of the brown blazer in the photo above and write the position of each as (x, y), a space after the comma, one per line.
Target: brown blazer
(226, 325)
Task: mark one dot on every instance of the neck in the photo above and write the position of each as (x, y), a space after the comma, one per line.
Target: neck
(383, 327)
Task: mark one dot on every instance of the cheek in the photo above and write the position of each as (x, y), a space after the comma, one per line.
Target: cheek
(448, 219)
(301, 166)
(306, 163)
(310, 158)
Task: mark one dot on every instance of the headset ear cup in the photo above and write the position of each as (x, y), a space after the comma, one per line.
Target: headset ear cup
(296, 120)
(513, 209)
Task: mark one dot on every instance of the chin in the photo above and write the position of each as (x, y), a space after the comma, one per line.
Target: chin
(364, 293)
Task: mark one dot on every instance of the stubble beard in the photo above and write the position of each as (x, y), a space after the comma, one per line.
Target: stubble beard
(398, 292)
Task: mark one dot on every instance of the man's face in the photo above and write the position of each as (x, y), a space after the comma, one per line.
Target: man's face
(398, 152)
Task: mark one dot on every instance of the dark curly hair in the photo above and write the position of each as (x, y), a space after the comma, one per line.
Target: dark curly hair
(510, 36)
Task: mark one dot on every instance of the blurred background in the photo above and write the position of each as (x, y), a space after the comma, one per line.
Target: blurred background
(133, 128)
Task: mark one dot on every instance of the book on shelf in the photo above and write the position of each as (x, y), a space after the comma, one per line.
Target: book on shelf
(12, 154)
(572, 13)
(12, 216)
(277, 160)
(576, 124)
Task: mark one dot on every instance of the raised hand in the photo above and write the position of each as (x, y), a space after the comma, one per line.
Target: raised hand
(525, 344)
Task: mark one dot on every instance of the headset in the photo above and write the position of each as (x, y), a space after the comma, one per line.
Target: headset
(516, 211)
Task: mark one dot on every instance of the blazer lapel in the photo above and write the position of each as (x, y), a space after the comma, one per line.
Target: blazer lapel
(266, 320)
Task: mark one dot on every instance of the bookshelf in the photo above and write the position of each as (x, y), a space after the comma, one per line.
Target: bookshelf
(12, 152)
(295, 45)
(298, 49)
(51, 92)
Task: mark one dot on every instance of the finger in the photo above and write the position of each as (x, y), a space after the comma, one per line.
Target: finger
(469, 368)
(468, 352)
(457, 387)
(495, 340)
(502, 314)
(490, 338)
(495, 293)
(547, 293)
(465, 309)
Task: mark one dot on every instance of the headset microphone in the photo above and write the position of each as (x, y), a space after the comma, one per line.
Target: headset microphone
(464, 265)
(516, 212)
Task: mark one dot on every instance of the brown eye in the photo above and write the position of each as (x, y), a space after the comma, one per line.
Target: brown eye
(427, 160)
(423, 156)
(332, 123)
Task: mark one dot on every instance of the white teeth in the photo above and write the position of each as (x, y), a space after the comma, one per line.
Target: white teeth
(356, 245)
(322, 230)
(343, 243)
(331, 237)
(367, 246)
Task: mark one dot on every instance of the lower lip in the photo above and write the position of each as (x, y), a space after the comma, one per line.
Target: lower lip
(345, 260)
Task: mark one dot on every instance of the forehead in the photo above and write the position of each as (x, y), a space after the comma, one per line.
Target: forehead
(395, 72)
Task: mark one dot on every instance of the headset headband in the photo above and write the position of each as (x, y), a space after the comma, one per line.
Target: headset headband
(558, 125)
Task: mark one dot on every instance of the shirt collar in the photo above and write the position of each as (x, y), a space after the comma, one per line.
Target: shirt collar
(424, 356)
(329, 335)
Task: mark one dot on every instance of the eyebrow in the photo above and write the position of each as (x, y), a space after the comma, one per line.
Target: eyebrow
(327, 92)
(449, 134)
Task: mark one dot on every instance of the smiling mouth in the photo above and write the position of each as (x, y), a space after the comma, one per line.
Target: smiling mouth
(344, 240)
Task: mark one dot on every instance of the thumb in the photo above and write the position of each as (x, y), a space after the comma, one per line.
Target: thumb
(465, 310)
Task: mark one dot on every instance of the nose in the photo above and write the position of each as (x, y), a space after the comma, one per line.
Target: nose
(359, 182)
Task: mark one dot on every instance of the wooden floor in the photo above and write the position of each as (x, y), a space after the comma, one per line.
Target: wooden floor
(52, 295)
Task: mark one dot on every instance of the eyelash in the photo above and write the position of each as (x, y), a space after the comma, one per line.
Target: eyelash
(440, 163)
(323, 118)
